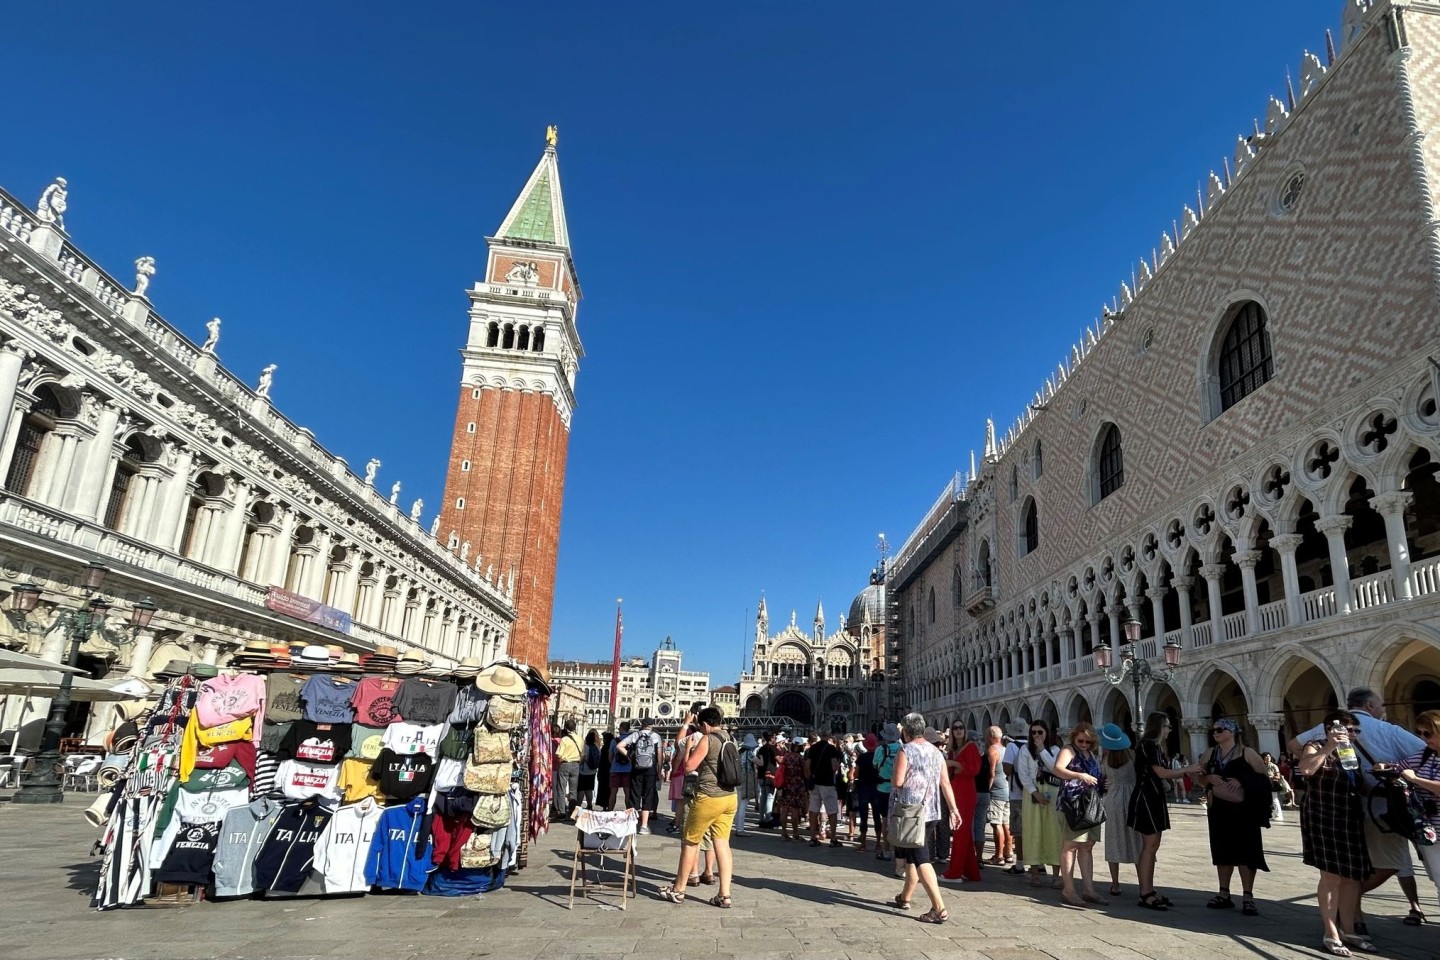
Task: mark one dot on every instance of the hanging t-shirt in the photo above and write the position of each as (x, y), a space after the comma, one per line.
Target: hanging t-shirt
(404, 777)
(327, 699)
(341, 851)
(414, 738)
(470, 704)
(300, 780)
(422, 700)
(232, 776)
(284, 861)
(449, 774)
(266, 763)
(357, 780)
(366, 742)
(374, 701)
(317, 742)
(274, 734)
(283, 691)
(190, 855)
(223, 754)
(224, 698)
(209, 806)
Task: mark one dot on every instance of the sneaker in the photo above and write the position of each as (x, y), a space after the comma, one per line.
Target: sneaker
(952, 880)
(836, 843)
(644, 831)
(672, 828)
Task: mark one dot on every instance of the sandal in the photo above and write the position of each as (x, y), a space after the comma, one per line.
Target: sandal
(1248, 908)
(1356, 941)
(1414, 918)
(1072, 900)
(1335, 948)
(1115, 890)
(694, 880)
(900, 903)
(1221, 901)
(1095, 898)
(671, 894)
(721, 901)
(1152, 901)
(707, 878)
(934, 916)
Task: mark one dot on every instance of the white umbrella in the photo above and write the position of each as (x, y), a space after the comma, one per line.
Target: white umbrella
(24, 661)
(46, 683)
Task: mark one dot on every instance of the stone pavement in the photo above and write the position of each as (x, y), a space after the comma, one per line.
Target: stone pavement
(791, 901)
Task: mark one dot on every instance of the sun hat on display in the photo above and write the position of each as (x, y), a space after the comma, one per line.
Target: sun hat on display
(890, 733)
(312, 656)
(434, 670)
(502, 680)
(410, 663)
(348, 663)
(1113, 738)
(468, 667)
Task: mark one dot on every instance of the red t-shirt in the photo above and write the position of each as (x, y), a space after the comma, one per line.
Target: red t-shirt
(374, 701)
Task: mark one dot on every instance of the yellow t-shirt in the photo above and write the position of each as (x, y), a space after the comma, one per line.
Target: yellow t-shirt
(356, 782)
(568, 749)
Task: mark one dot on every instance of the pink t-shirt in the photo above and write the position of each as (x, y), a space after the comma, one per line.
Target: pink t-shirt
(229, 698)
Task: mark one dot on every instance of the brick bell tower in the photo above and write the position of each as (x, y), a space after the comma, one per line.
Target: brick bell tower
(506, 477)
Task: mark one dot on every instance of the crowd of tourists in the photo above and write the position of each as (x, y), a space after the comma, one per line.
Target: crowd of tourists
(1367, 792)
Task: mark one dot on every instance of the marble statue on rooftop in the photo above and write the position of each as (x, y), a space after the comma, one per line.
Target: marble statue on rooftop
(465, 552)
(144, 270)
(267, 377)
(415, 509)
(213, 337)
(51, 208)
(370, 469)
(395, 492)
(435, 526)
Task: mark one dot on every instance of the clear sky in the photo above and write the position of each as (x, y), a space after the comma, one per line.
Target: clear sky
(819, 242)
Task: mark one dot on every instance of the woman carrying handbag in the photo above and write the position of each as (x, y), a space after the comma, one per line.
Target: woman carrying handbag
(919, 783)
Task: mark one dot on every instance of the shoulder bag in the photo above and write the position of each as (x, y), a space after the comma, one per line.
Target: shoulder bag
(907, 823)
(1083, 808)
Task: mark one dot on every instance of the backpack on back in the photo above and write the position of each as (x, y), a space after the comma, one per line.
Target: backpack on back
(885, 763)
(727, 769)
(644, 752)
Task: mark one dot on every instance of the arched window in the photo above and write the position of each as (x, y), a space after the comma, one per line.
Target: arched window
(1039, 461)
(537, 343)
(1245, 362)
(1110, 466)
(37, 424)
(130, 463)
(492, 335)
(983, 573)
(931, 604)
(1030, 529)
(1014, 483)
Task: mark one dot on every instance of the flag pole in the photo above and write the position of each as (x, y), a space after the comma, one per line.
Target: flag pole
(615, 668)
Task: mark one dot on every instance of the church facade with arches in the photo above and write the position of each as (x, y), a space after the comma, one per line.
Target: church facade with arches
(818, 680)
(1241, 454)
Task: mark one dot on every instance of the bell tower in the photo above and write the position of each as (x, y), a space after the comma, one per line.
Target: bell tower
(506, 477)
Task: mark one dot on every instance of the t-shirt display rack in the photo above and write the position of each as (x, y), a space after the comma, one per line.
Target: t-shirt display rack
(274, 783)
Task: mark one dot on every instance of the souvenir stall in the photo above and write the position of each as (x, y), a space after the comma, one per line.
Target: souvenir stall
(313, 772)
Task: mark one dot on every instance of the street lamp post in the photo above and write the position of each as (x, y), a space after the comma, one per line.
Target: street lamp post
(1138, 669)
(43, 781)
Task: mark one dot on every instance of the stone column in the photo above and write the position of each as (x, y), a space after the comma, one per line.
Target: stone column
(1392, 506)
(12, 361)
(224, 552)
(1095, 641)
(169, 520)
(316, 570)
(93, 488)
(1334, 528)
(1199, 730)
(1267, 729)
(1157, 612)
(278, 556)
(1247, 560)
(1116, 637)
(1182, 587)
(1212, 572)
(59, 479)
(1069, 651)
(140, 653)
(1286, 544)
(136, 521)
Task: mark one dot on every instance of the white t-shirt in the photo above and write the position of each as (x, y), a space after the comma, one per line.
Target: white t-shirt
(299, 780)
(343, 847)
(411, 738)
(1012, 753)
(209, 806)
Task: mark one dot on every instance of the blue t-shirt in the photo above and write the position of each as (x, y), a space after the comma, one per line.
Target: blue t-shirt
(327, 699)
(618, 764)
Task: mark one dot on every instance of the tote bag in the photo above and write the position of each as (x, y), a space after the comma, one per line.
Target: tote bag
(1083, 808)
(907, 825)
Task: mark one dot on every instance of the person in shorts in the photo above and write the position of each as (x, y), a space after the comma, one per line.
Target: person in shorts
(1016, 733)
(642, 750)
(822, 771)
(619, 768)
(711, 812)
(996, 815)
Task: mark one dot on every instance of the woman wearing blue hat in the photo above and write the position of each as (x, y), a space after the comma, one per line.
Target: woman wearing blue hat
(1122, 843)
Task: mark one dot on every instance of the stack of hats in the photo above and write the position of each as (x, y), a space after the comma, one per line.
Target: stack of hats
(262, 655)
(178, 668)
(466, 669)
(410, 663)
(501, 680)
(313, 657)
(381, 661)
(348, 663)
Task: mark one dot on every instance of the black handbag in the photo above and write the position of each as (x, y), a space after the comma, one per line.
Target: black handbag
(1083, 808)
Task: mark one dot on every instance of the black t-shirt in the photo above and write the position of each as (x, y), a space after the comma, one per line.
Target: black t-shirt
(822, 769)
(422, 700)
(190, 855)
(404, 777)
(768, 758)
(322, 743)
(865, 773)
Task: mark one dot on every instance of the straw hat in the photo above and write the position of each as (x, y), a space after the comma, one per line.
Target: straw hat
(348, 663)
(410, 663)
(385, 650)
(312, 656)
(468, 667)
(377, 663)
(434, 670)
(502, 680)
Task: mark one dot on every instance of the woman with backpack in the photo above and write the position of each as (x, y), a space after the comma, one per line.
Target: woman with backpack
(712, 808)
(1035, 766)
(1332, 833)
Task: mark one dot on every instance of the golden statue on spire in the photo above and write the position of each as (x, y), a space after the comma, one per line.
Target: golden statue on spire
(552, 135)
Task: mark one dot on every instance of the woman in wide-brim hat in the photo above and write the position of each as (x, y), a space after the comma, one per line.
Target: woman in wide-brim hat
(1122, 843)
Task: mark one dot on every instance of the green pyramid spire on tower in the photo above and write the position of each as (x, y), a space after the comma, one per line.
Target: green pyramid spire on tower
(538, 214)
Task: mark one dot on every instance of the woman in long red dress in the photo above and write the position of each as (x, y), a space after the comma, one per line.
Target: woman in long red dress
(963, 761)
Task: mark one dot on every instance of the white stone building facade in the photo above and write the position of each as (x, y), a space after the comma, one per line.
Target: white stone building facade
(1242, 452)
(124, 442)
(659, 688)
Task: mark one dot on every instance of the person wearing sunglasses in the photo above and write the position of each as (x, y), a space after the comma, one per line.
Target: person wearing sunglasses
(1239, 807)
(962, 763)
(1078, 765)
(1035, 766)
(1422, 772)
(1332, 833)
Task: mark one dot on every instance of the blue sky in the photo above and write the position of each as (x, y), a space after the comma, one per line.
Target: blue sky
(819, 243)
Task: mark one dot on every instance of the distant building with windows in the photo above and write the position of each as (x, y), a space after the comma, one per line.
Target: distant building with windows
(1241, 453)
(659, 687)
(727, 698)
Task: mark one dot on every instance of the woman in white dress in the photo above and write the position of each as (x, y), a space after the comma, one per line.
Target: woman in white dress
(1122, 844)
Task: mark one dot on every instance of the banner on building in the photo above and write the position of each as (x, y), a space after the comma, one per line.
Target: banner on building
(303, 608)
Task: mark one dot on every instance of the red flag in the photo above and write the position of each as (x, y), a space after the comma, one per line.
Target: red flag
(615, 671)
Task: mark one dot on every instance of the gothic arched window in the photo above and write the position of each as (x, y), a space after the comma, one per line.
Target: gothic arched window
(1245, 362)
(931, 604)
(1110, 467)
(1030, 529)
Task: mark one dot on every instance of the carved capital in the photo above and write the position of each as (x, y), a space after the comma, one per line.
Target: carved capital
(1157, 593)
(1182, 584)
(1267, 721)
(11, 348)
(1212, 571)
(1334, 526)
(1392, 504)
(1247, 559)
(1196, 726)
(1287, 542)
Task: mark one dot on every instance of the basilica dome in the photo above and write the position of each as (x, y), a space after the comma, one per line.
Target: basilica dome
(868, 604)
